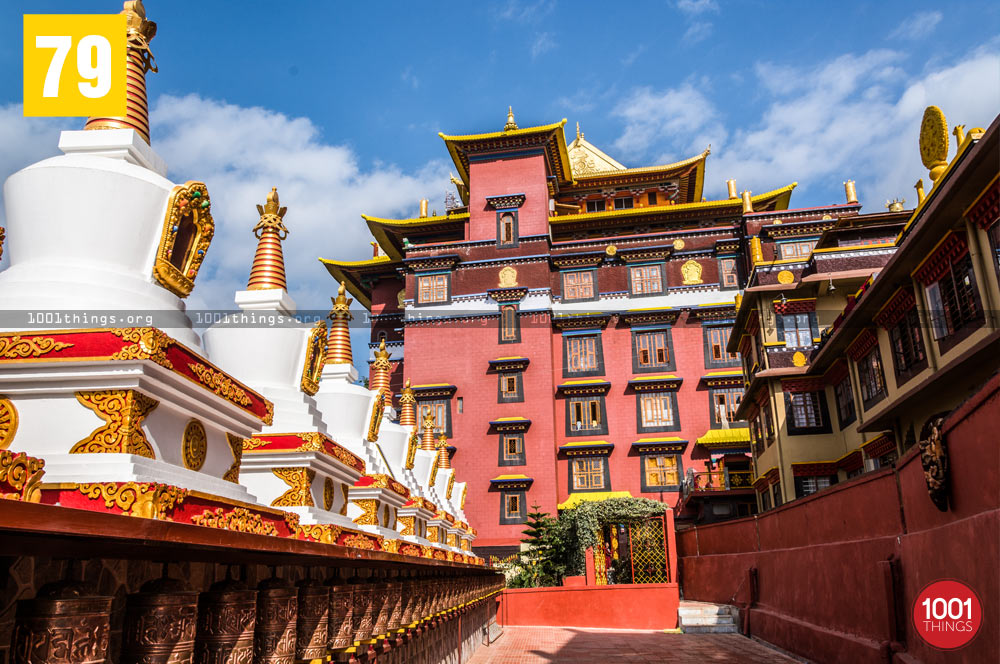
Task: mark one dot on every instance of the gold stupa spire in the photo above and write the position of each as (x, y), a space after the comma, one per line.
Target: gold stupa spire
(444, 459)
(379, 379)
(139, 60)
(511, 125)
(427, 436)
(268, 270)
(407, 406)
(338, 342)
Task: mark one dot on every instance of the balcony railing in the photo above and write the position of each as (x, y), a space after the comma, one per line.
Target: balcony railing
(722, 480)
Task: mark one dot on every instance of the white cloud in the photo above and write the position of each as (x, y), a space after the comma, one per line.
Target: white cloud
(409, 78)
(917, 26)
(543, 43)
(633, 55)
(854, 116)
(528, 11)
(696, 32)
(695, 7)
(677, 119)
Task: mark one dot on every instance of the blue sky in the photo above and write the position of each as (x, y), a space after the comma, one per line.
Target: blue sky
(339, 104)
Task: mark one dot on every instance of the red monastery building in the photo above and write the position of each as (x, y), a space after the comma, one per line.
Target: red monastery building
(566, 322)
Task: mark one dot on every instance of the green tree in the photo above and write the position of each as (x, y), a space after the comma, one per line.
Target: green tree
(546, 549)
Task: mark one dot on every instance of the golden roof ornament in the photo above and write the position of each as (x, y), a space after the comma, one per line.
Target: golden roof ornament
(444, 459)
(138, 60)
(341, 304)
(427, 436)
(511, 125)
(895, 205)
(268, 270)
(919, 186)
(934, 142)
(407, 406)
(381, 356)
(579, 134)
(338, 341)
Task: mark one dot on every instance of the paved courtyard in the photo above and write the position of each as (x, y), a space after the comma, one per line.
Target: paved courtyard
(542, 645)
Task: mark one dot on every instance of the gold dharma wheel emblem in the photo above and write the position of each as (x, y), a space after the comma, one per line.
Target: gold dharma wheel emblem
(799, 359)
(611, 250)
(328, 494)
(678, 244)
(195, 446)
(8, 422)
(934, 141)
(785, 277)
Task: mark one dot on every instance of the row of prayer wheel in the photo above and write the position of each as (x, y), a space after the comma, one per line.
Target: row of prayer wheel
(276, 623)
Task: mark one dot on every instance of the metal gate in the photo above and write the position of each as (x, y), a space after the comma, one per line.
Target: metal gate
(634, 553)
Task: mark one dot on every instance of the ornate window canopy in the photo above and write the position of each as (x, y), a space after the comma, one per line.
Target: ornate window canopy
(187, 231)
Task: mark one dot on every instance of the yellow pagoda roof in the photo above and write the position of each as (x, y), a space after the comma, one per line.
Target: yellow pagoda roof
(780, 197)
(576, 499)
(350, 273)
(725, 437)
(555, 141)
(389, 232)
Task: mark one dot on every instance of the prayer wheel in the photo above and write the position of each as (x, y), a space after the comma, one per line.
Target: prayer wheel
(362, 619)
(274, 636)
(226, 619)
(341, 628)
(313, 620)
(395, 604)
(409, 603)
(161, 621)
(64, 624)
(380, 605)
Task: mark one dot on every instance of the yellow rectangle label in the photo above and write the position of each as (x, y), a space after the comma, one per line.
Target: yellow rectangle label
(74, 65)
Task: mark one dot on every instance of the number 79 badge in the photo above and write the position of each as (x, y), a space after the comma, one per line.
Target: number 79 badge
(74, 65)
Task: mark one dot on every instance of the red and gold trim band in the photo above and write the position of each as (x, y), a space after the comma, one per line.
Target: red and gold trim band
(311, 441)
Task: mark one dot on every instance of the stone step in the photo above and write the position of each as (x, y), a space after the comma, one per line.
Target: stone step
(705, 611)
(707, 620)
(709, 629)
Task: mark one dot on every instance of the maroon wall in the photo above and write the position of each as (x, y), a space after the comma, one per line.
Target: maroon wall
(823, 589)
(626, 606)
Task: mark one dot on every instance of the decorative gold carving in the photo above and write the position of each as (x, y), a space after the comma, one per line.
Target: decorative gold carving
(799, 359)
(511, 125)
(148, 343)
(268, 413)
(411, 450)
(451, 485)
(786, 277)
(300, 493)
(933, 447)
(344, 490)
(369, 512)
(434, 471)
(934, 141)
(187, 232)
(359, 542)
(453, 540)
(400, 298)
(691, 270)
(678, 244)
(8, 422)
(327, 533)
(16, 347)
(253, 443)
(391, 545)
(238, 519)
(236, 447)
(465, 490)
(123, 412)
(220, 383)
(141, 499)
(329, 494)
(432, 534)
(408, 523)
(508, 277)
(610, 251)
(315, 357)
(194, 447)
(378, 410)
(22, 473)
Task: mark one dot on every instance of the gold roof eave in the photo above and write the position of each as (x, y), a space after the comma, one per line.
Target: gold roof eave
(781, 197)
(350, 273)
(666, 170)
(453, 144)
(381, 228)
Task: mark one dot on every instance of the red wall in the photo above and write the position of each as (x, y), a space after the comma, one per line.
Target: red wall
(519, 175)
(647, 606)
(822, 591)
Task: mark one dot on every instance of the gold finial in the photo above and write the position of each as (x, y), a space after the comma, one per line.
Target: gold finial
(579, 134)
(138, 60)
(738, 301)
(934, 142)
(407, 406)
(268, 270)
(444, 459)
(959, 132)
(731, 186)
(756, 251)
(747, 202)
(381, 354)
(511, 125)
(851, 191)
(919, 186)
(427, 437)
(895, 205)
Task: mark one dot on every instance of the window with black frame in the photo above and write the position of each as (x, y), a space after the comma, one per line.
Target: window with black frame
(871, 378)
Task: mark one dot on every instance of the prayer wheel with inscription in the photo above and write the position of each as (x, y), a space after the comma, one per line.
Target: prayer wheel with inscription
(226, 619)
(361, 618)
(274, 636)
(395, 604)
(64, 624)
(380, 605)
(161, 621)
(409, 597)
(341, 628)
(313, 620)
